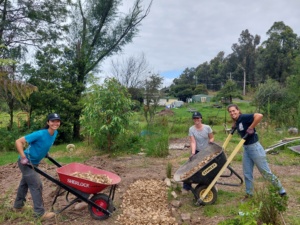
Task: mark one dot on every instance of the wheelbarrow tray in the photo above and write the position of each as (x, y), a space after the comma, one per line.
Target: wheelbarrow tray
(203, 167)
(81, 184)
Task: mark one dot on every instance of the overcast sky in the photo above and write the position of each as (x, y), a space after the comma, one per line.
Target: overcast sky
(179, 34)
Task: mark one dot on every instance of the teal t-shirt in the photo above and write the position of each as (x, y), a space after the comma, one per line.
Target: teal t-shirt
(39, 145)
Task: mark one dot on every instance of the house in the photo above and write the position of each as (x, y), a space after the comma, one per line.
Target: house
(201, 98)
(163, 101)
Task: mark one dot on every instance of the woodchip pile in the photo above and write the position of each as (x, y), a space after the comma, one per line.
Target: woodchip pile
(97, 178)
(145, 203)
(198, 166)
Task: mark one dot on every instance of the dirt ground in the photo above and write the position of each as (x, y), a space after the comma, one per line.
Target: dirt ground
(131, 169)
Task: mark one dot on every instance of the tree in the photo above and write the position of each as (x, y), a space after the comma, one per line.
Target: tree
(106, 112)
(56, 87)
(184, 94)
(152, 96)
(270, 98)
(31, 22)
(278, 52)
(201, 89)
(229, 91)
(245, 53)
(96, 34)
(12, 90)
(23, 24)
(131, 72)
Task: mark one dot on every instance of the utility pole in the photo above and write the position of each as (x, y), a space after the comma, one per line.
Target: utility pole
(230, 78)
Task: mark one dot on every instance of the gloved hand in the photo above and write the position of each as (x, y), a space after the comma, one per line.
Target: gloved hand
(24, 161)
(250, 131)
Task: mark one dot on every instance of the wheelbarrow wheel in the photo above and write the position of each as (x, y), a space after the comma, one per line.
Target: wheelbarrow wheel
(211, 196)
(104, 202)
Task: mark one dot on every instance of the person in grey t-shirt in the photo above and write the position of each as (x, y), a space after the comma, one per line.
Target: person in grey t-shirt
(200, 136)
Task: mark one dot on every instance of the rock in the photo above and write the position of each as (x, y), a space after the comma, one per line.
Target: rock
(293, 130)
(176, 203)
(185, 217)
(173, 193)
(168, 182)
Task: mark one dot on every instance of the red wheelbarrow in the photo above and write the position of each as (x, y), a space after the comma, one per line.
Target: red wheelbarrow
(100, 205)
(206, 168)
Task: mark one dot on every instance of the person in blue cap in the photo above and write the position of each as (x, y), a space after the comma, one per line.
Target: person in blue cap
(39, 144)
(200, 136)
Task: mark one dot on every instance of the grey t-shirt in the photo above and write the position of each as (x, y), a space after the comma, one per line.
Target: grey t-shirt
(201, 136)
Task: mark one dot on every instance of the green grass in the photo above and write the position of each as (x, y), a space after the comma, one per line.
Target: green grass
(8, 157)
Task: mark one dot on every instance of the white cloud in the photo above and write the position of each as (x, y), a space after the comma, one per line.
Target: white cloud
(179, 34)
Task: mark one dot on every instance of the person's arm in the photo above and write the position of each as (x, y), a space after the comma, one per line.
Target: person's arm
(20, 143)
(257, 117)
(193, 145)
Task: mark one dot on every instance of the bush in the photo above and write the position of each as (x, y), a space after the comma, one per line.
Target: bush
(156, 139)
(8, 138)
(271, 205)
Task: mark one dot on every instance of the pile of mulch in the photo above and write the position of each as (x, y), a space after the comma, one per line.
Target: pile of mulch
(145, 203)
(166, 112)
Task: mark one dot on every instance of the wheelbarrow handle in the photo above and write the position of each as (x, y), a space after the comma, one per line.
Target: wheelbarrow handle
(245, 136)
(53, 160)
(233, 130)
(229, 159)
(228, 138)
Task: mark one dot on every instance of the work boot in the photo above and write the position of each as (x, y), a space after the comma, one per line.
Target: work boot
(246, 198)
(283, 194)
(80, 206)
(47, 215)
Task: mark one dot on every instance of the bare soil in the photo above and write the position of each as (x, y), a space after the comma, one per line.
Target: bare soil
(135, 168)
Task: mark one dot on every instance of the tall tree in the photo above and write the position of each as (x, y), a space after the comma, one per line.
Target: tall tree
(98, 31)
(278, 52)
(245, 54)
(12, 91)
(131, 72)
(24, 23)
(152, 96)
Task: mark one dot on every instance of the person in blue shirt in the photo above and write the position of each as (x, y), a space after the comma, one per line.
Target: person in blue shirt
(254, 153)
(39, 143)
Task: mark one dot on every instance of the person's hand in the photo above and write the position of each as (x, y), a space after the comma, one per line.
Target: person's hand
(192, 157)
(233, 127)
(24, 161)
(250, 131)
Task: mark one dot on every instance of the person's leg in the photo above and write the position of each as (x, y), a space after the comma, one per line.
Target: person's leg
(248, 170)
(35, 186)
(187, 186)
(21, 193)
(260, 160)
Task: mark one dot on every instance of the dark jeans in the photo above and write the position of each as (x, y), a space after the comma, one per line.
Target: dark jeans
(30, 180)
